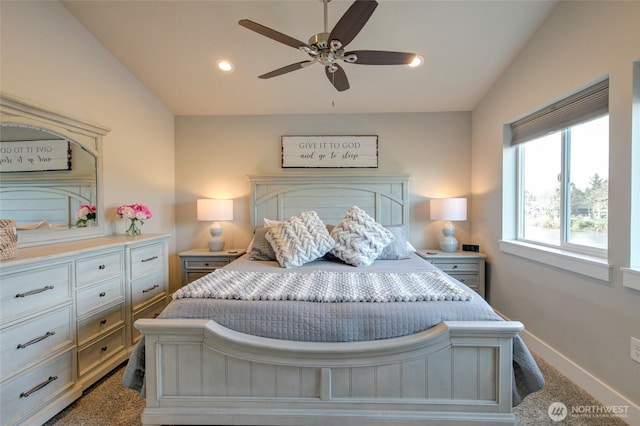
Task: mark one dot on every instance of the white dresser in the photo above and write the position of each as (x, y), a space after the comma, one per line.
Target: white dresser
(66, 317)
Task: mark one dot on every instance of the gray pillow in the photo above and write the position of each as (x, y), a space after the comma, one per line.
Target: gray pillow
(261, 249)
(398, 248)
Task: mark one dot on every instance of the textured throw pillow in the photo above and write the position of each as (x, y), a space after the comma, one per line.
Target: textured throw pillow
(299, 240)
(399, 247)
(359, 238)
(261, 249)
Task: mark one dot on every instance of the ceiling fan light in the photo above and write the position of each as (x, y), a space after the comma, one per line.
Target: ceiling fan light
(224, 65)
(417, 62)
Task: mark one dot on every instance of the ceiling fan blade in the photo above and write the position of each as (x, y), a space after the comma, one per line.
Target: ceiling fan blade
(379, 57)
(286, 69)
(352, 21)
(338, 78)
(272, 34)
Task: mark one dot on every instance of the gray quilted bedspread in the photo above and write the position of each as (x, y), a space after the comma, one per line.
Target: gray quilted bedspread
(339, 322)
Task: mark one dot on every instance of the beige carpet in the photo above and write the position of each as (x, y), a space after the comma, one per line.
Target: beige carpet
(108, 403)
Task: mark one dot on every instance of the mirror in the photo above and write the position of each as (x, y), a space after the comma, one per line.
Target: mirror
(49, 170)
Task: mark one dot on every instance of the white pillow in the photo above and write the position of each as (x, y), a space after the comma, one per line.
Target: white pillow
(359, 238)
(299, 240)
(270, 223)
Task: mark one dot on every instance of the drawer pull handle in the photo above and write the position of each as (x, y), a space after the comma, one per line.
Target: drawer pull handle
(455, 266)
(40, 290)
(36, 340)
(101, 267)
(103, 322)
(103, 294)
(206, 264)
(149, 259)
(104, 348)
(151, 288)
(38, 387)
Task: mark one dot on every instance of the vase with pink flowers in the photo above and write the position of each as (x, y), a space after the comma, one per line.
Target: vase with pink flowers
(136, 214)
(86, 216)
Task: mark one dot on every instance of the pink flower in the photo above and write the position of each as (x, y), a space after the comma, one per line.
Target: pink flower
(86, 211)
(134, 211)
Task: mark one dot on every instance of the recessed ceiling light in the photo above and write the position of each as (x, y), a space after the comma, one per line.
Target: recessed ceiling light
(418, 60)
(224, 65)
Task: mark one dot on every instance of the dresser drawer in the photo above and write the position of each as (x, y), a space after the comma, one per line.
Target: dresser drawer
(147, 259)
(147, 288)
(102, 294)
(454, 266)
(100, 323)
(100, 351)
(35, 339)
(35, 388)
(100, 267)
(152, 311)
(34, 290)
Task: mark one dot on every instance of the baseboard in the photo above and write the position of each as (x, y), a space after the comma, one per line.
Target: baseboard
(595, 387)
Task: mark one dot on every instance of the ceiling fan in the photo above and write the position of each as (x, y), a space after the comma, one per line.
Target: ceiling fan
(328, 48)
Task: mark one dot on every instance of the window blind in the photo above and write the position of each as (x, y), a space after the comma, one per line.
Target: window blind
(585, 105)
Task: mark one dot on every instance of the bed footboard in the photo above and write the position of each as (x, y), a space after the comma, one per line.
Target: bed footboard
(198, 372)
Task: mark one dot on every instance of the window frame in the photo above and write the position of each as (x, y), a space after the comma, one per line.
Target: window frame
(574, 262)
(565, 202)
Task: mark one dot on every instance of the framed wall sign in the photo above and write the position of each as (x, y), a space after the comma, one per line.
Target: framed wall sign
(35, 156)
(329, 151)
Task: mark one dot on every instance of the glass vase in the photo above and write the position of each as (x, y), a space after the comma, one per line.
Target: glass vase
(135, 228)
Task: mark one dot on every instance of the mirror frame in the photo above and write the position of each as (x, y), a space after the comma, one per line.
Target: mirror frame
(14, 110)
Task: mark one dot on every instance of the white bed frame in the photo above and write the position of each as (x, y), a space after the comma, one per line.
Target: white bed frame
(456, 373)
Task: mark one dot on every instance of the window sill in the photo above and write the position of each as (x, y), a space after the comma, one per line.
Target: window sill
(590, 266)
(631, 278)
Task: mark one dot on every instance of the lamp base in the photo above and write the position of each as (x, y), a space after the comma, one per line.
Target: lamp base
(216, 243)
(448, 243)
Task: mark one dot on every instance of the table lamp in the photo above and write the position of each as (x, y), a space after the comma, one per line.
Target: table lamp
(448, 209)
(211, 209)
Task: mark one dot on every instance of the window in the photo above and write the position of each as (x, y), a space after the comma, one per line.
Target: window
(563, 173)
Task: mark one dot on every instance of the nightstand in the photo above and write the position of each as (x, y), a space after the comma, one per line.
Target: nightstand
(197, 263)
(465, 266)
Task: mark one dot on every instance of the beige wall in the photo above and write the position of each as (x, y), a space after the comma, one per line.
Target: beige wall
(49, 58)
(586, 320)
(214, 155)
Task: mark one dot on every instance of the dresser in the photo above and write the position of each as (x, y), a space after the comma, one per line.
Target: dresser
(197, 263)
(66, 317)
(465, 266)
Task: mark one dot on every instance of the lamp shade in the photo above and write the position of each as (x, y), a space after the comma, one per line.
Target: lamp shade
(448, 209)
(214, 209)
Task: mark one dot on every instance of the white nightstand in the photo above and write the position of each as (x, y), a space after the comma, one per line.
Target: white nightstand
(465, 266)
(197, 263)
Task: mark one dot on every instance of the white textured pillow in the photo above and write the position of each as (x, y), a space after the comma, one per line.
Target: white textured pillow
(299, 240)
(359, 238)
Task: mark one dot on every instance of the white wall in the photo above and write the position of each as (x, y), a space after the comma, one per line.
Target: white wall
(49, 58)
(588, 321)
(214, 155)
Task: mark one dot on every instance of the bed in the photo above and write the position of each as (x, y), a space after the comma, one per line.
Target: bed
(293, 357)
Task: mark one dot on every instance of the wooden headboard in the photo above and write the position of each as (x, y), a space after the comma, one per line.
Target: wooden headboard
(384, 197)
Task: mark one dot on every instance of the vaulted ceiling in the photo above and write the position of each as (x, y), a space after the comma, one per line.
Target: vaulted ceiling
(172, 46)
